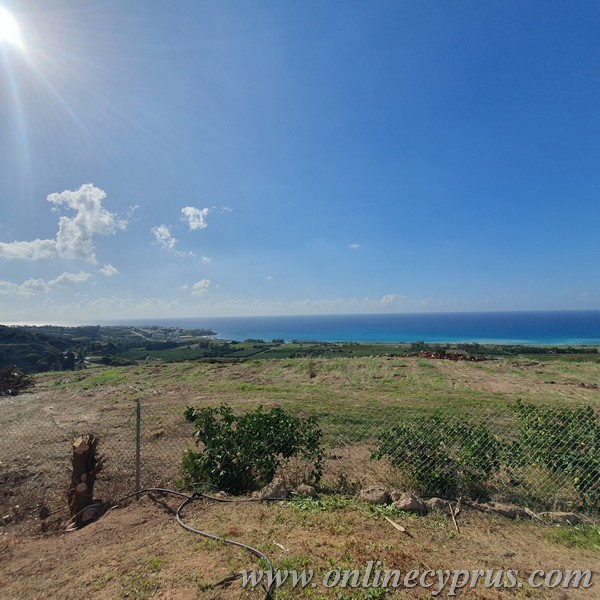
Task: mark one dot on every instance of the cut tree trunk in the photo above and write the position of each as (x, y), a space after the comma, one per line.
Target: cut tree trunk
(13, 380)
(85, 466)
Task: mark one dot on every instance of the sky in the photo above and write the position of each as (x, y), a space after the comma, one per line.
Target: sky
(194, 158)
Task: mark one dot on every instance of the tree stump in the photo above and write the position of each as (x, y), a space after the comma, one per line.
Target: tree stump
(86, 465)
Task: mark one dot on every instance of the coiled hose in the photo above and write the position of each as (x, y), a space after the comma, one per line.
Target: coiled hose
(189, 498)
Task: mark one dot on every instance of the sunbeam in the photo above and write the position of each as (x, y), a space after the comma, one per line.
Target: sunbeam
(10, 32)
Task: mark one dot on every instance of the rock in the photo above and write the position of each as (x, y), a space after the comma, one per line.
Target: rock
(437, 504)
(561, 517)
(276, 489)
(374, 495)
(510, 511)
(409, 503)
(306, 490)
(395, 494)
(506, 510)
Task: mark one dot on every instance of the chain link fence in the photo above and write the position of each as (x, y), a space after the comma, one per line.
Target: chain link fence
(536, 454)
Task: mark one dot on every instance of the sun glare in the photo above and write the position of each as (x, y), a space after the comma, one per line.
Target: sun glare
(9, 29)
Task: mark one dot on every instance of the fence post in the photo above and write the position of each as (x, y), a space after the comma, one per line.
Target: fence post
(138, 445)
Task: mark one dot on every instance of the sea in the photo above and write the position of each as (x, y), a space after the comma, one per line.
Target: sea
(556, 328)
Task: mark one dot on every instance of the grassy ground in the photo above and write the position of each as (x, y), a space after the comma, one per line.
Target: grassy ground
(355, 398)
(138, 551)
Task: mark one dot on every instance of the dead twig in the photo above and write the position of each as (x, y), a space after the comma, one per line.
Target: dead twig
(452, 514)
(397, 526)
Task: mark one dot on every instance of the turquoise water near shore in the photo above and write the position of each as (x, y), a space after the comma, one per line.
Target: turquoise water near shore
(535, 328)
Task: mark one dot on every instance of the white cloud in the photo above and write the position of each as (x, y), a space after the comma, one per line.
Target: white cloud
(200, 288)
(74, 239)
(108, 270)
(29, 288)
(196, 217)
(33, 287)
(34, 250)
(114, 305)
(69, 279)
(269, 278)
(206, 260)
(354, 246)
(391, 299)
(164, 238)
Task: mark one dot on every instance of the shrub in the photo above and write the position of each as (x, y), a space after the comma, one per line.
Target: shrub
(565, 442)
(442, 457)
(242, 453)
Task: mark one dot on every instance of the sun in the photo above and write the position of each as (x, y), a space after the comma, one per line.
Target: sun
(9, 29)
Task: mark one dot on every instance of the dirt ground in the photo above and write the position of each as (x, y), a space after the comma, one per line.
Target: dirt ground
(139, 551)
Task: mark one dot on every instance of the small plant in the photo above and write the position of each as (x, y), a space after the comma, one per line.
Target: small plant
(577, 536)
(143, 582)
(242, 453)
(442, 457)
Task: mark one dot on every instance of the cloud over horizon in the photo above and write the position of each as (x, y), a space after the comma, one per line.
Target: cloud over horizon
(32, 287)
(74, 238)
(69, 279)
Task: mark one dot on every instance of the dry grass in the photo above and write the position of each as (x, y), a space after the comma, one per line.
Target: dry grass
(355, 398)
(139, 551)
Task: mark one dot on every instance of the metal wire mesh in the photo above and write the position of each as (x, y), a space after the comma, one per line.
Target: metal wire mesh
(379, 428)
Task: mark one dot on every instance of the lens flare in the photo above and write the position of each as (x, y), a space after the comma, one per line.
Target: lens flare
(9, 30)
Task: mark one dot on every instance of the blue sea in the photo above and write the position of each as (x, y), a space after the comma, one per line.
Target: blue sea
(535, 328)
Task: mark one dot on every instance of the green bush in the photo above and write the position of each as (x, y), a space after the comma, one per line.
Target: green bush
(441, 456)
(242, 453)
(565, 442)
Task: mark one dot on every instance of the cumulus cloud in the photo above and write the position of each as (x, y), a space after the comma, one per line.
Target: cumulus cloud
(28, 288)
(391, 299)
(200, 288)
(354, 246)
(108, 270)
(74, 239)
(167, 241)
(33, 250)
(195, 217)
(69, 279)
(206, 260)
(164, 238)
(33, 287)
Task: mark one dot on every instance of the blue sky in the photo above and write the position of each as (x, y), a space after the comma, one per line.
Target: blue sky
(190, 158)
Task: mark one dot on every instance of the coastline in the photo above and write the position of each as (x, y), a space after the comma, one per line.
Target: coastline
(533, 328)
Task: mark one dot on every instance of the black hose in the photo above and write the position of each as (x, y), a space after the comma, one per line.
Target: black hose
(190, 498)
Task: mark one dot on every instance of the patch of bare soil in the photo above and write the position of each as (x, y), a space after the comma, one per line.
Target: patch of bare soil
(139, 551)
